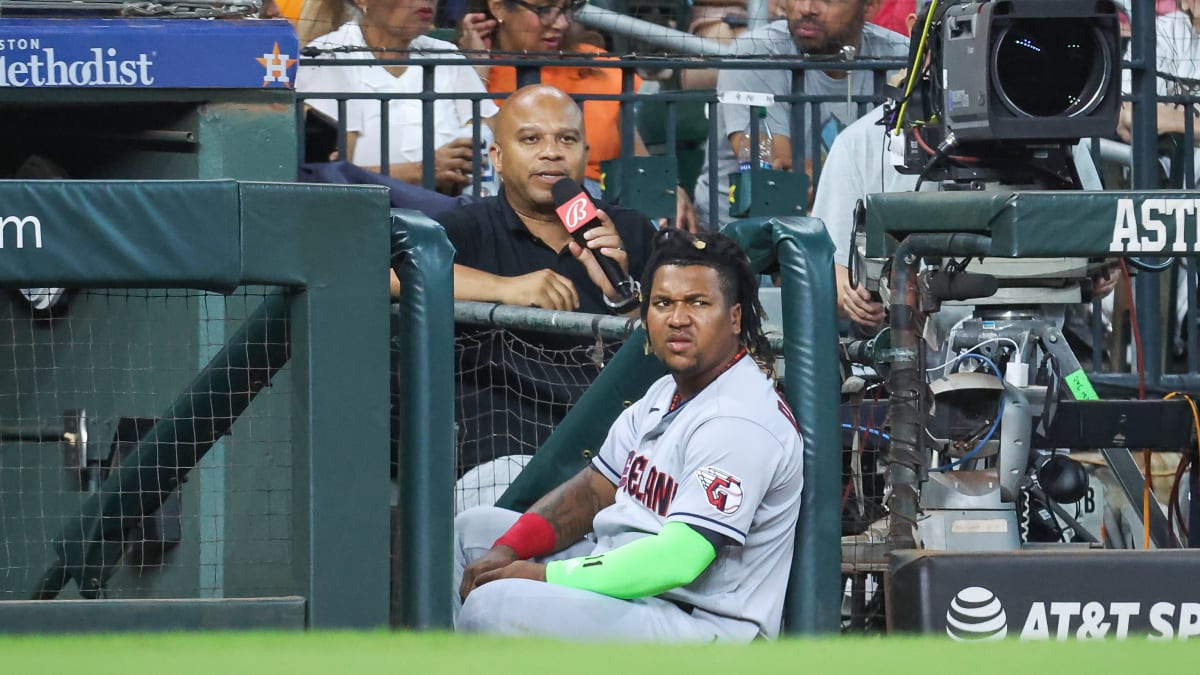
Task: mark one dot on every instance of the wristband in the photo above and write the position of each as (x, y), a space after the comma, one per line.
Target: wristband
(530, 537)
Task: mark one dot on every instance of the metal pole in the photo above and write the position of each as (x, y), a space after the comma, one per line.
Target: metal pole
(714, 204)
(651, 33)
(796, 132)
(428, 151)
(1145, 173)
(906, 459)
(628, 127)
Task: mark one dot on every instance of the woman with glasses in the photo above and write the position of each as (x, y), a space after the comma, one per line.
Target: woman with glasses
(389, 30)
(520, 26)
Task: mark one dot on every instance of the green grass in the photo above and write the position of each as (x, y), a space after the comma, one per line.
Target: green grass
(346, 653)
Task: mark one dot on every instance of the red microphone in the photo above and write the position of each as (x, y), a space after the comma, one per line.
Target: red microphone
(578, 214)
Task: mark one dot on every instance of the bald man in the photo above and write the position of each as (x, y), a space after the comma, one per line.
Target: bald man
(513, 249)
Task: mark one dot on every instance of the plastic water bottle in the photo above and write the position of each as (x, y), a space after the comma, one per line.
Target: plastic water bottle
(766, 143)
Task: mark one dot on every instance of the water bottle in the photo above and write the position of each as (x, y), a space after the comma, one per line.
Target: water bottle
(766, 143)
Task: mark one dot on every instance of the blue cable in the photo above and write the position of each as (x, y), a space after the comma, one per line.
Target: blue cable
(868, 430)
(995, 423)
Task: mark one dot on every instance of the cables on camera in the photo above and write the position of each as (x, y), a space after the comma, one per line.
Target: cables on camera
(995, 422)
(943, 151)
(916, 65)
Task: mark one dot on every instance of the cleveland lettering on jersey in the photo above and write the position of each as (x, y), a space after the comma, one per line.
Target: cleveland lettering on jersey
(653, 488)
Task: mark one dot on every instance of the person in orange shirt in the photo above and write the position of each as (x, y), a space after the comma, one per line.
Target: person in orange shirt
(548, 26)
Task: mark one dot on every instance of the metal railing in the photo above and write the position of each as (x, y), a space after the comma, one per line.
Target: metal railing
(804, 105)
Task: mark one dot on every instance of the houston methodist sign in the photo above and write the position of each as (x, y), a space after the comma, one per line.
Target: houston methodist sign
(147, 53)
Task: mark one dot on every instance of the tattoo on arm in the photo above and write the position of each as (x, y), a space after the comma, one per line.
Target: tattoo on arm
(570, 507)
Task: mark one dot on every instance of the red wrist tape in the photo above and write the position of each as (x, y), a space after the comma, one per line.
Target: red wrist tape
(531, 536)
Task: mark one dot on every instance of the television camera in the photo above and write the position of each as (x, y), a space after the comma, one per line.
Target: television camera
(997, 96)
(999, 90)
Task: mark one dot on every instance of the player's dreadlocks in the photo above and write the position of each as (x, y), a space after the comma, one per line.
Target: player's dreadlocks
(739, 283)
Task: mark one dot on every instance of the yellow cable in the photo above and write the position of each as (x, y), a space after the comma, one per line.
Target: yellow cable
(916, 66)
(1146, 503)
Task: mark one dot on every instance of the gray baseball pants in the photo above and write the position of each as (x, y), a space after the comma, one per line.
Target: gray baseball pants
(524, 607)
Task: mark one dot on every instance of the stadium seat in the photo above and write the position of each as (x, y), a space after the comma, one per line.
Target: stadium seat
(691, 135)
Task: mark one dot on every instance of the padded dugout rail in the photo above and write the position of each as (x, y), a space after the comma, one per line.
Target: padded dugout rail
(1042, 224)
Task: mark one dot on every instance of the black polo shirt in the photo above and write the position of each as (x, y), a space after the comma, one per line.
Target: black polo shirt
(509, 392)
(489, 236)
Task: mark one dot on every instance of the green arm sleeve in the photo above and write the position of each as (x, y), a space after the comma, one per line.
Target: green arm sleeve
(649, 566)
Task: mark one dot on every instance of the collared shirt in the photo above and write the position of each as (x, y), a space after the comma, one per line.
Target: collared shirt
(364, 116)
(489, 236)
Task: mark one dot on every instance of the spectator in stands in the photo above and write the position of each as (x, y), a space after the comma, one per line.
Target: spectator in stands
(817, 28)
(513, 249)
(391, 29)
(548, 26)
(1177, 50)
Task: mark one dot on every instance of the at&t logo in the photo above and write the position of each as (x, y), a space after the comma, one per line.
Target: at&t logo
(976, 614)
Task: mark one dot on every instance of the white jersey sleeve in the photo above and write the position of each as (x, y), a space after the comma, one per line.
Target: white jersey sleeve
(728, 466)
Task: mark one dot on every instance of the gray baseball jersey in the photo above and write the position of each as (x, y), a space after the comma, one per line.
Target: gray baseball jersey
(728, 461)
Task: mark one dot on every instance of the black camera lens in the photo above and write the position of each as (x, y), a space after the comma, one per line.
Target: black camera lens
(1051, 67)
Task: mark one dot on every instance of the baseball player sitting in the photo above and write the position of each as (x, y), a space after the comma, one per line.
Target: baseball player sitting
(681, 529)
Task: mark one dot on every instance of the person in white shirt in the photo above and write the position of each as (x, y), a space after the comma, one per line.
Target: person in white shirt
(391, 29)
(1177, 61)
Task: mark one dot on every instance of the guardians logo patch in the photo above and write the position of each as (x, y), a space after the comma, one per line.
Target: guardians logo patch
(723, 490)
